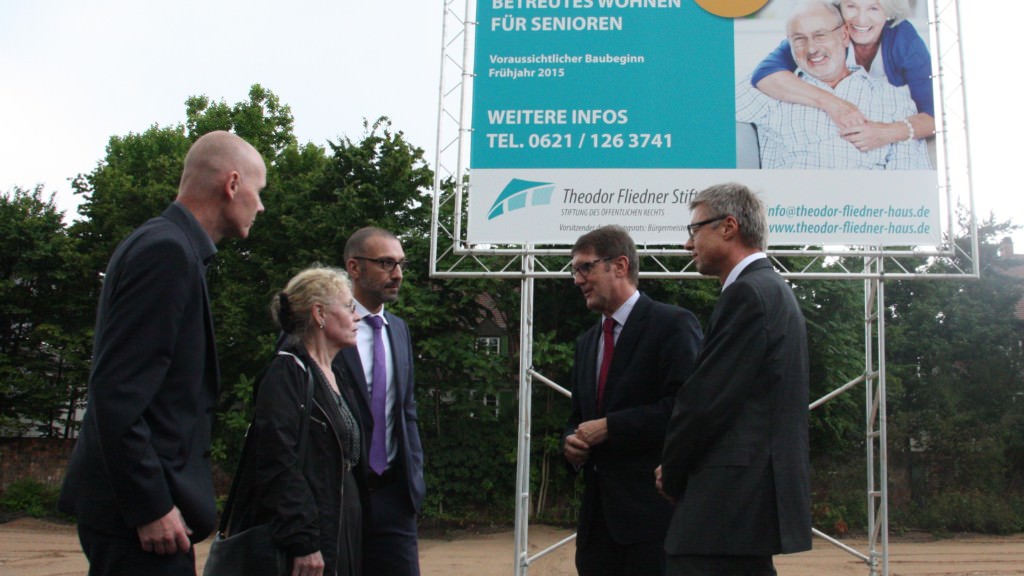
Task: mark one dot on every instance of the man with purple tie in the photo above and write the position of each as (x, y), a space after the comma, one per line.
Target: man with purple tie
(381, 368)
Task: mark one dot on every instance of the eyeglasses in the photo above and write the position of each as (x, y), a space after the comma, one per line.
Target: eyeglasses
(351, 306)
(819, 37)
(585, 268)
(693, 228)
(386, 264)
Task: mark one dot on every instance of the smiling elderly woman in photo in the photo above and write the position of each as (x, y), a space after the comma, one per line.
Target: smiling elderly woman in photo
(884, 44)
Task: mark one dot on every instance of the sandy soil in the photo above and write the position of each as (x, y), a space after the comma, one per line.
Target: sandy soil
(34, 548)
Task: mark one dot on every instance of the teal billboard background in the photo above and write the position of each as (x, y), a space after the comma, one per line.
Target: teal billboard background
(673, 109)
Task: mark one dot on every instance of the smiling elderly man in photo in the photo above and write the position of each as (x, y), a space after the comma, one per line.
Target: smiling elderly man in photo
(803, 137)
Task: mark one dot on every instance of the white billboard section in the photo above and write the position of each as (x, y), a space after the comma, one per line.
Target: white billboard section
(804, 206)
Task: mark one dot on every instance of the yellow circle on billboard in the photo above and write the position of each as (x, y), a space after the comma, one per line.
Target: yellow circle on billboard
(732, 8)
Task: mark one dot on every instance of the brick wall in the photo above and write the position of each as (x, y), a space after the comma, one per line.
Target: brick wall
(41, 459)
(46, 459)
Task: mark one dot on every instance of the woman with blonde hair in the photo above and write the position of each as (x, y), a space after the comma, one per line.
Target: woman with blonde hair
(315, 510)
(887, 46)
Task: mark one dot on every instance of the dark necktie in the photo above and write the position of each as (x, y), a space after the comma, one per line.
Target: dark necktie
(606, 359)
(378, 397)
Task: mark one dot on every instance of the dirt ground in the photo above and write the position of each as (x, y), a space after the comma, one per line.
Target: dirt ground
(35, 548)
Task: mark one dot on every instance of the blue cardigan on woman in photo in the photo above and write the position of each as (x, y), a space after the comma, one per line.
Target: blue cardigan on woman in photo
(904, 54)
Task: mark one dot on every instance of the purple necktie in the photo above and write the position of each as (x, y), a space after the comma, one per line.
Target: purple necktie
(378, 396)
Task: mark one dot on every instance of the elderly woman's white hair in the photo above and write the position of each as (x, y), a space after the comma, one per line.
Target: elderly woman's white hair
(895, 10)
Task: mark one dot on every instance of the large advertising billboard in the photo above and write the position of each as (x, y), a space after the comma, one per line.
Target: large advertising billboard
(594, 112)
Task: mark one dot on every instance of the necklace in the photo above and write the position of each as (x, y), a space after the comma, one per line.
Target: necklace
(329, 379)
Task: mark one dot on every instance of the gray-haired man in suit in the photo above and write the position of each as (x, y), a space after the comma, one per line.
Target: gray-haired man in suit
(736, 454)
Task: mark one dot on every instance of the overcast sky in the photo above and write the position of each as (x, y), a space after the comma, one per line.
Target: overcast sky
(76, 72)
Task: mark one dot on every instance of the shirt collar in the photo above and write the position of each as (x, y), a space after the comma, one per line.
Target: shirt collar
(200, 240)
(739, 268)
(855, 72)
(622, 313)
(363, 311)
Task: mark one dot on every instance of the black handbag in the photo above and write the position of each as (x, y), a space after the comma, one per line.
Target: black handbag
(252, 552)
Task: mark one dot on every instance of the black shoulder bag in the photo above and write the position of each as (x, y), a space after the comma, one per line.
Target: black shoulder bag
(252, 552)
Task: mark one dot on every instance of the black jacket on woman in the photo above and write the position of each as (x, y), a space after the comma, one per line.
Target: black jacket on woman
(306, 508)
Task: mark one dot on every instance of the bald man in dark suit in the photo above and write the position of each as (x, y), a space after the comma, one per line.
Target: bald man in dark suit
(139, 481)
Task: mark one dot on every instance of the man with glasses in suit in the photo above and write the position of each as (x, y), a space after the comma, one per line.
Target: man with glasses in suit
(381, 370)
(624, 378)
(736, 457)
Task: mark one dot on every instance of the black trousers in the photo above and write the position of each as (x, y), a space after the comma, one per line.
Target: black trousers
(601, 555)
(111, 555)
(390, 541)
(720, 566)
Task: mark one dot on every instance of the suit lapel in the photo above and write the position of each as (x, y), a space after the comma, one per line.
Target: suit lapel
(213, 366)
(399, 357)
(632, 332)
(586, 388)
(755, 266)
(400, 360)
(203, 251)
(355, 369)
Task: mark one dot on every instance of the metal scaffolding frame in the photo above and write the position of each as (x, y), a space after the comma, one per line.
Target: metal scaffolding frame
(451, 256)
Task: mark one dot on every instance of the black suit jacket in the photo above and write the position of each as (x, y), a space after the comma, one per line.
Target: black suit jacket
(656, 351)
(406, 430)
(145, 437)
(736, 454)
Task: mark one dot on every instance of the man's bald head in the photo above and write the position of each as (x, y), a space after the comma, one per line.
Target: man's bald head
(212, 157)
(221, 182)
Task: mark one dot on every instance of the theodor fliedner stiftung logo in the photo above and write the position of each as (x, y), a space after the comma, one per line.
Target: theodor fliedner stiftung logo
(519, 194)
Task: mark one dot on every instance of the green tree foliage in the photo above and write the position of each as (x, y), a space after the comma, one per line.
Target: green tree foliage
(247, 272)
(383, 179)
(262, 120)
(30, 498)
(956, 431)
(41, 362)
(135, 181)
(834, 311)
